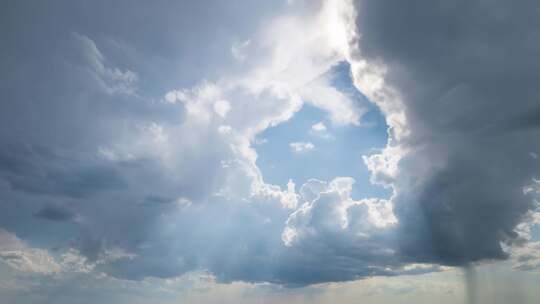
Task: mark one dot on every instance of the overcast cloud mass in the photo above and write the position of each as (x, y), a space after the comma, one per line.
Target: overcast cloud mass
(171, 146)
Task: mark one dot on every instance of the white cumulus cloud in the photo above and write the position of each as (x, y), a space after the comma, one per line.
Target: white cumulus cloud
(301, 147)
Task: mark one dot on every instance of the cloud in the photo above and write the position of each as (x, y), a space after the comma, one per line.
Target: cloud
(301, 147)
(55, 213)
(329, 209)
(318, 127)
(112, 80)
(15, 253)
(222, 107)
(23, 169)
(29, 260)
(458, 154)
(342, 108)
(159, 167)
(527, 257)
(146, 174)
(238, 50)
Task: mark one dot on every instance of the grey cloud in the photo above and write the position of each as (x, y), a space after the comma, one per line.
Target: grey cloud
(467, 73)
(39, 170)
(157, 200)
(55, 213)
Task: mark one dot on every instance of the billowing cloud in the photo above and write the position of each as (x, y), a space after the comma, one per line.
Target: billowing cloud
(130, 170)
(460, 104)
(125, 172)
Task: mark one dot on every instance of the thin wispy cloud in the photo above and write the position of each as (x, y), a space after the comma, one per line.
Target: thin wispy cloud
(301, 147)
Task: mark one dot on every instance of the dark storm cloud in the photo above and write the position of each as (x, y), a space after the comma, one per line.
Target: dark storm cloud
(467, 72)
(55, 213)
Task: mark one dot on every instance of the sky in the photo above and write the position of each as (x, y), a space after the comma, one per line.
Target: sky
(288, 151)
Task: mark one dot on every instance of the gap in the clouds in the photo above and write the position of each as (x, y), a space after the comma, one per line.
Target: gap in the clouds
(336, 152)
(535, 233)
